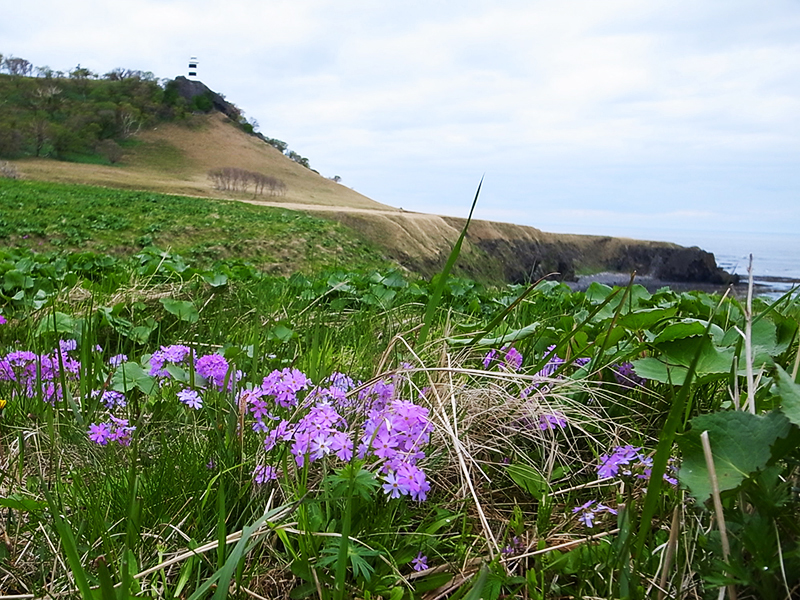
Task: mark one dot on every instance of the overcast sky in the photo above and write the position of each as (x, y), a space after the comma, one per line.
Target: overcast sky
(591, 116)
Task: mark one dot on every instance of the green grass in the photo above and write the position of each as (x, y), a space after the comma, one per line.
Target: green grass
(159, 156)
(500, 519)
(45, 216)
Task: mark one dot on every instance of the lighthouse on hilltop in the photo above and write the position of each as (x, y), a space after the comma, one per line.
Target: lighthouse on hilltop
(193, 62)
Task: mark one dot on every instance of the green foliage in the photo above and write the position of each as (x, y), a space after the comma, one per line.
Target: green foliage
(184, 486)
(98, 219)
(741, 444)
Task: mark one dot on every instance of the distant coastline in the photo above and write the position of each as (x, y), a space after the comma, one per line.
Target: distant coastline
(771, 287)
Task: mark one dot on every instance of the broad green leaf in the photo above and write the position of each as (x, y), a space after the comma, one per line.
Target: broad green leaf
(528, 478)
(645, 318)
(18, 502)
(597, 292)
(61, 323)
(130, 375)
(394, 280)
(183, 309)
(215, 279)
(680, 330)
(281, 333)
(15, 279)
(789, 392)
(740, 443)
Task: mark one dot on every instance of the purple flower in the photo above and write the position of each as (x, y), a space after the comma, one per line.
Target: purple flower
(121, 432)
(284, 385)
(167, 354)
(264, 473)
(487, 360)
(342, 446)
(420, 562)
(512, 360)
(552, 421)
(113, 399)
(67, 345)
(514, 547)
(588, 512)
(100, 434)
(622, 456)
(553, 363)
(626, 376)
(117, 360)
(3, 320)
(391, 487)
(214, 367)
(190, 398)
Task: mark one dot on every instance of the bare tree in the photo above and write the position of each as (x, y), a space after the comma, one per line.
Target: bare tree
(18, 66)
(235, 180)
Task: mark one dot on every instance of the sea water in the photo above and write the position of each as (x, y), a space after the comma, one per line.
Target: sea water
(776, 256)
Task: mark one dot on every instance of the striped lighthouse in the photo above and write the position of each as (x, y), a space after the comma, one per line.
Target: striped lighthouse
(193, 67)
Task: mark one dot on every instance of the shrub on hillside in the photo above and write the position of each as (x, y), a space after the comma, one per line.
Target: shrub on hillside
(8, 171)
(239, 180)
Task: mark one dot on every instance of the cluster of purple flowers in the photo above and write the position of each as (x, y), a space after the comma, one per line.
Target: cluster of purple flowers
(629, 461)
(3, 320)
(175, 354)
(190, 398)
(514, 546)
(552, 365)
(111, 399)
(40, 374)
(212, 368)
(626, 376)
(552, 421)
(589, 511)
(393, 432)
(508, 358)
(115, 430)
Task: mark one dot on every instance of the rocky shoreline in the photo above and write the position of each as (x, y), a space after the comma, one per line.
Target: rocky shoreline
(738, 288)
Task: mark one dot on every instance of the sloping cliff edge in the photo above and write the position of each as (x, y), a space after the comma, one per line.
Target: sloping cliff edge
(504, 252)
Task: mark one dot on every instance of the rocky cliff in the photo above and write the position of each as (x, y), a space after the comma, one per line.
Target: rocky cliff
(516, 253)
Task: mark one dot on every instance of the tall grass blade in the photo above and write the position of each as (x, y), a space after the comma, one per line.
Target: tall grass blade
(663, 451)
(436, 296)
(222, 577)
(70, 547)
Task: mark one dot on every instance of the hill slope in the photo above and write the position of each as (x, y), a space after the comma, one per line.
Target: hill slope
(175, 159)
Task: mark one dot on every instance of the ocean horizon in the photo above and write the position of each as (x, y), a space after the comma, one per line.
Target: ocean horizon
(775, 255)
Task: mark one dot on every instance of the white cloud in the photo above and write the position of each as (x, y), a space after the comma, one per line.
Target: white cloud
(599, 106)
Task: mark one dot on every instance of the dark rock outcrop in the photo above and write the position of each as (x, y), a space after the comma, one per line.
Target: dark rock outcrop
(189, 89)
(504, 252)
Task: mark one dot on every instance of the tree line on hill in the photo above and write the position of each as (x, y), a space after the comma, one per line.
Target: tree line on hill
(235, 180)
(81, 115)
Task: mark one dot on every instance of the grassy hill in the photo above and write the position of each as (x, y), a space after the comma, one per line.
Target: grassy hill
(175, 156)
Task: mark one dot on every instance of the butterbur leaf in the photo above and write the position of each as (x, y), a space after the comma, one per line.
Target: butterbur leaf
(740, 443)
(789, 392)
(130, 375)
(215, 279)
(528, 479)
(183, 309)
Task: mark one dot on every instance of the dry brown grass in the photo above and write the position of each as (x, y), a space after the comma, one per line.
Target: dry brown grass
(175, 159)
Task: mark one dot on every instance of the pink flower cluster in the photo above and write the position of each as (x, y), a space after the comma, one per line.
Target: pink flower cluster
(508, 358)
(394, 431)
(114, 430)
(40, 374)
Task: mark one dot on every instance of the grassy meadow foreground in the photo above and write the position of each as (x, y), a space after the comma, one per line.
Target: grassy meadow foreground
(182, 418)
